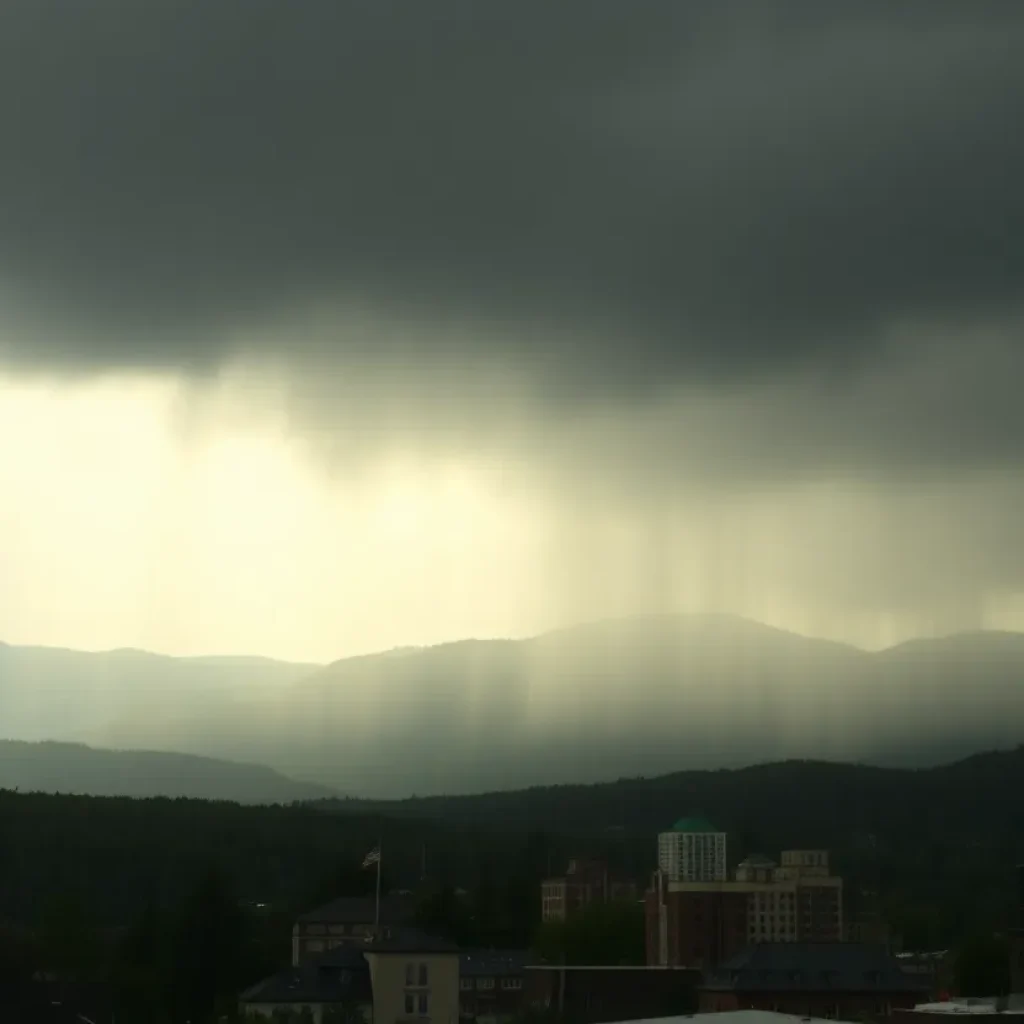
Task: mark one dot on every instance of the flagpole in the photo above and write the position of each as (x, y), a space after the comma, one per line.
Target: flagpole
(376, 918)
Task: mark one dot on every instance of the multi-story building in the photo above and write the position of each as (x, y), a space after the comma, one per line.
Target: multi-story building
(413, 976)
(701, 923)
(693, 850)
(584, 882)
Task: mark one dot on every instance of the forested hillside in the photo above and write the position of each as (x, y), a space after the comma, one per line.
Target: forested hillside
(938, 845)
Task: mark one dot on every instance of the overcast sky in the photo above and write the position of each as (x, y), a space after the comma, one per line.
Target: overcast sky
(333, 326)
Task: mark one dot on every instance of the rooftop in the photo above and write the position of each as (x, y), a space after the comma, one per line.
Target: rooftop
(985, 1006)
(312, 984)
(814, 967)
(410, 940)
(492, 962)
(734, 1017)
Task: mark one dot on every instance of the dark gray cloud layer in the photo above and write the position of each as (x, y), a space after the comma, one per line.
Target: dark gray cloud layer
(678, 188)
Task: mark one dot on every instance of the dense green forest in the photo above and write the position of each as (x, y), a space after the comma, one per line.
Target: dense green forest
(119, 889)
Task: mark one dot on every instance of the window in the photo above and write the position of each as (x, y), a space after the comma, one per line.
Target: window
(466, 984)
(424, 1000)
(485, 983)
(511, 984)
(423, 976)
(410, 1004)
(410, 974)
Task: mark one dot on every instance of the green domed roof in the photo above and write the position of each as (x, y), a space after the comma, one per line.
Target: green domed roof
(696, 824)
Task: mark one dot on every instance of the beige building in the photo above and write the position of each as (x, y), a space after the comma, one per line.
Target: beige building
(797, 901)
(415, 979)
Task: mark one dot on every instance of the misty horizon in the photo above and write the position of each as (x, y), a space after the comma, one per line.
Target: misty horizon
(249, 656)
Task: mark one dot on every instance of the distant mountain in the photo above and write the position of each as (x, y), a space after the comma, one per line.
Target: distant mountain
(76, 769)
(53, 693)
(641, 696)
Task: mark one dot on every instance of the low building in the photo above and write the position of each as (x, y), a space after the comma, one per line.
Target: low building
(414, 976)
(491, 985)
(345, 921)
(597, 995)
(842, 980)
(399, 977)
(936, 968)
(584, 882)
(333, 988)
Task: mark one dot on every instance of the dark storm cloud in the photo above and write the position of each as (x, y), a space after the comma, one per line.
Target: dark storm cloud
(682, 186)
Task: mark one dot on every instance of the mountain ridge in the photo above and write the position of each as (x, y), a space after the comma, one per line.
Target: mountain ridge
(75, 768)
(584, 625)
(623, 697)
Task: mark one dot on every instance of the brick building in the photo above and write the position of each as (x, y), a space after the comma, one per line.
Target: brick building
(839, 980)
(584, 882)
(700, 923)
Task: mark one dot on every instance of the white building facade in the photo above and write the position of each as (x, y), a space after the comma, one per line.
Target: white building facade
(693, 851)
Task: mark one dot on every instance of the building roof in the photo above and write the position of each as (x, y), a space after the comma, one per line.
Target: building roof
(734, 1017)
(492, 963)
(361, 910)
(649, 968)
(972, 1007)
(813, 967)
(694, 824)
(410, 940)
(312, 984)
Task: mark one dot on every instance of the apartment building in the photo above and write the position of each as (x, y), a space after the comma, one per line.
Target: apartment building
(700, 923)
(584, 882)
(693, 850)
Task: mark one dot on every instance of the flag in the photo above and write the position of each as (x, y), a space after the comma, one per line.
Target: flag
(373, 857)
